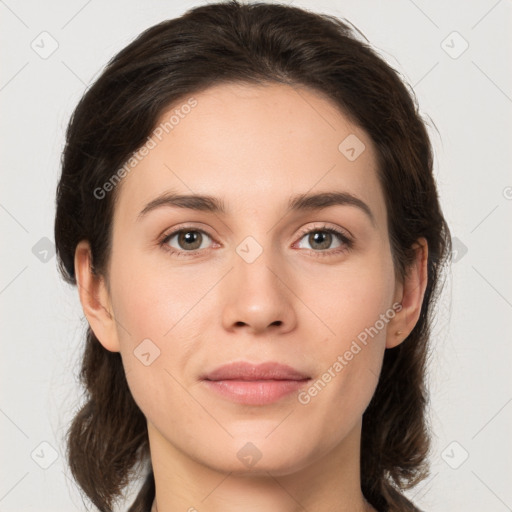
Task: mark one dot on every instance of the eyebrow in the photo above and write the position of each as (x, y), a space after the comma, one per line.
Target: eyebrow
(300, 202)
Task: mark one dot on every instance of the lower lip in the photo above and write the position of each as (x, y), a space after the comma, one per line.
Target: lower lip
(259, 392)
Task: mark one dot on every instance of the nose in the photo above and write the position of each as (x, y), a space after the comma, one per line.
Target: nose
(258, 297)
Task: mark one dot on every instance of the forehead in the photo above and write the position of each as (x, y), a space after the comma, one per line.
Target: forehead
(254, 146)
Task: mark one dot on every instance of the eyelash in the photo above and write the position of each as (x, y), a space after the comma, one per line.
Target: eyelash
(346, 242)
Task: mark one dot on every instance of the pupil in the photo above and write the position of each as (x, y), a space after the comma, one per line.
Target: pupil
(191, 237)
(317, 238)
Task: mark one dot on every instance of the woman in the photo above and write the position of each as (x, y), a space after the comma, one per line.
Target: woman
(248, 210)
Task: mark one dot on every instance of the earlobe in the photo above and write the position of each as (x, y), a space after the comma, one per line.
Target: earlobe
(411, 296)
(95, 298)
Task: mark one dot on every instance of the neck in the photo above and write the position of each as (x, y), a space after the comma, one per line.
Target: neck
(328, 483)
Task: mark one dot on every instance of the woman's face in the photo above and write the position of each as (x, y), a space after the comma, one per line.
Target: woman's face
(262, 281)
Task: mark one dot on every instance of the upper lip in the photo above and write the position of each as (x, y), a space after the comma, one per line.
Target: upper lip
(242, 370)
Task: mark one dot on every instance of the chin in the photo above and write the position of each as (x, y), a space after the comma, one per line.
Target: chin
(258, 456)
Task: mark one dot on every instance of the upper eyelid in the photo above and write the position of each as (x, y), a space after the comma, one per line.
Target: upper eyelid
(327, 226)
(178, 230)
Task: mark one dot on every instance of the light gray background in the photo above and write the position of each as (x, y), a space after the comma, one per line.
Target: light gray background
(467, 95)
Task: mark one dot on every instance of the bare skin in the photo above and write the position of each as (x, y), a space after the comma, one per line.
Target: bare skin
(300, 302)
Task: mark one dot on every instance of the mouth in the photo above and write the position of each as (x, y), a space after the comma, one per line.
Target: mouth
(254, 384)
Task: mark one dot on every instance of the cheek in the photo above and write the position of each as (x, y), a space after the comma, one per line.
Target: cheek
(153, 301)
(161, 315)
(158, 327)
(355, 307)
(350, 298)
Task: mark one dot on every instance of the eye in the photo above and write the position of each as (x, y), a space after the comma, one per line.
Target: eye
(321, 238)
(188, 240)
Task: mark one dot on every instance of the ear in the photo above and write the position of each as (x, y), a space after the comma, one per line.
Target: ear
(410, 295)
(95, 298)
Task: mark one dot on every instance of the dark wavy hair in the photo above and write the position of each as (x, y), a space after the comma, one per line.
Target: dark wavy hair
(250, 43)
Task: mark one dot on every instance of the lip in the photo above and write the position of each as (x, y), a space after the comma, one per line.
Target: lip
(254, 384)
(241, 370)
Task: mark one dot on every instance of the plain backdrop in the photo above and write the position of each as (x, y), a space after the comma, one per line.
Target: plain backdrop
(456, 55)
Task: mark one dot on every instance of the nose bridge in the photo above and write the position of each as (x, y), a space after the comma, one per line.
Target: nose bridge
(257, 296)
(253, 264)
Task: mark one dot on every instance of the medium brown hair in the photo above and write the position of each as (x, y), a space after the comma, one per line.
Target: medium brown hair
(249, 43)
